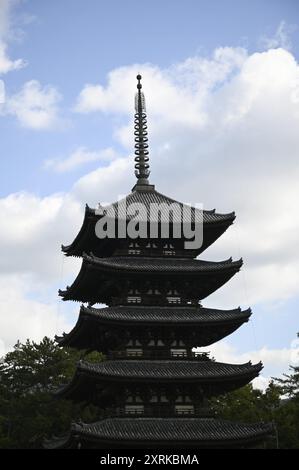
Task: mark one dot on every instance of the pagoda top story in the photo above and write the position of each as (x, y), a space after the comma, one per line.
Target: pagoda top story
(145, 194)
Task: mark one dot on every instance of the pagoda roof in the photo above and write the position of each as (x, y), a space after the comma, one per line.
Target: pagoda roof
(94, 376)
(151, 196)
(96, 273)
(93, 321)
(214, 224)
(156, 432)
(167, 370)
(174, 314)
(159, 265)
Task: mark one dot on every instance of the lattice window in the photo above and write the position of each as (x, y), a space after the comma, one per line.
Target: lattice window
(173, 300)
(169, 252)
(132, 299)
(178, 352)
(184, 409)
(134, 409)
(134, 352)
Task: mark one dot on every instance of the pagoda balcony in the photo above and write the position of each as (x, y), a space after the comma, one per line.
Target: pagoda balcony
(158, 412)
(152, 300)
(155, 252)
(156, 354)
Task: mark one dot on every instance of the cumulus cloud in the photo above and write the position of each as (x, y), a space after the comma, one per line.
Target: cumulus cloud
(171, 90)
(79, 158)
(276, 361)
(35, 106)
(32, 267)
(6, 63)
(281, 38)
(33, 231)
(22, 316)
(105, 184)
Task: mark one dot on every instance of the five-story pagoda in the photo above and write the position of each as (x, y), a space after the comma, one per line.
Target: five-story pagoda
(153, 389)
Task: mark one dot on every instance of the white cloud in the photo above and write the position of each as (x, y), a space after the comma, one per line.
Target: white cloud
(6, 63)
(105, 184)
(35, 106)
(2, 92)
(33, 231)
(275, 361)
(281, 38)
(23, 317)
(261, 382)
(80, 157)
(176, 94)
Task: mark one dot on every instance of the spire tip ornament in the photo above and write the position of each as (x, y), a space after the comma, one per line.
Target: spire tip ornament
(142, 170)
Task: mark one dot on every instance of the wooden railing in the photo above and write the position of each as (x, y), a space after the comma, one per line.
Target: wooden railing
(156, 412)
(157, 355)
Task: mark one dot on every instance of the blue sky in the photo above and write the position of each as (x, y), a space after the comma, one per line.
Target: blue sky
(71, 43)
(70, 99)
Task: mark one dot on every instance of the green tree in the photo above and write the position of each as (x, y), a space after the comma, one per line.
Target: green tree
(287, 417)
(279, 404)
(28, 376)
(248, 404)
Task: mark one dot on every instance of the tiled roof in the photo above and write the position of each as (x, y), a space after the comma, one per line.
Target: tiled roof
(163, 369)
(165, 314)
(209, 432)
(91, 286)
(170, 429)
(214, 224)
(151, 264)
(209, 325)
(220, 376)
(146, 198)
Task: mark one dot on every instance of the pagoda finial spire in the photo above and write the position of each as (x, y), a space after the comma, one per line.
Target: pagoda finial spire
(142, 171)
